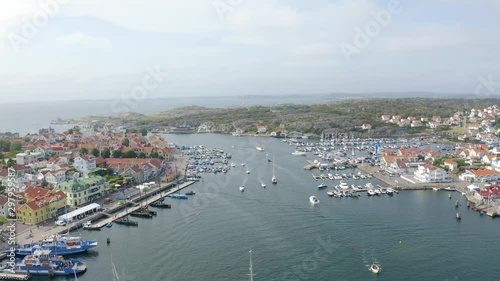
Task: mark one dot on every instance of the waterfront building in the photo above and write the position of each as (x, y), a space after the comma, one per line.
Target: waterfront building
(480, 175)
(83, 190)
(40, 205)
(4, 207)
(430, 173)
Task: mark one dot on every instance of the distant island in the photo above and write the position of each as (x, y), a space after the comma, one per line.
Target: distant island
(355, 117)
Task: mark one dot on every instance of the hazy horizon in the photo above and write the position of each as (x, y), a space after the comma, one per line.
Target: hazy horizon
(89, 49)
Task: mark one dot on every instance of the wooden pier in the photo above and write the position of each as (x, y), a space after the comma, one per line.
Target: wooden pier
(148, 197)
(311, 165)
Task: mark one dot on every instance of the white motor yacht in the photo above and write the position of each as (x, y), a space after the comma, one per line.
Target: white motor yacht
(299, 153)
(371, 192)
(322, 185)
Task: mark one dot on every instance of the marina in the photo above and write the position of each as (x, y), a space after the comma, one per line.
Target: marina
(217, 195)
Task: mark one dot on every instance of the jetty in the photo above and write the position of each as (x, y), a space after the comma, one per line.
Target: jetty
(313, 165)
(151, 196)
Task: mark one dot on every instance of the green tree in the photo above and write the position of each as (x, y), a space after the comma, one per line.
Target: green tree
(16, 146)
(70, 131)
(142, 155)
(83, 151)
(117, 153)
(126, 142)
(143, 131)
(129, 154)
(95, 152)
(105, 153)
(154, 154)
(10, 163)
(4, 145)
(27, 139)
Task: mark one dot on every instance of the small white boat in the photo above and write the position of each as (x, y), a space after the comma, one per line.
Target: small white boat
(375, 268)
(259, 148)
(330, 193)
(322, 185)
(242, 164)
(299, 153)
(313, 200)
(390, 191)
(343, 185)
(248, 171)
(371, 192)
(450, 188)
(377, 192)
(242, 188)
(436, 188)
(233, 165)
(262, 184)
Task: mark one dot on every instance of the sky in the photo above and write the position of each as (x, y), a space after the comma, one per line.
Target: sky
(112, 49)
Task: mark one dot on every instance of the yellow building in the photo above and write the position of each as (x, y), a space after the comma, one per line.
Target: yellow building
(41, 204)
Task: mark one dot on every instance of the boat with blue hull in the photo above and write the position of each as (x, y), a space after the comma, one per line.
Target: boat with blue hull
(58, 245)
(42, 262)
(177, 196)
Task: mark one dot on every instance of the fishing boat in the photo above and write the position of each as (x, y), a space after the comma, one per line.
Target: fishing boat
(41, 262)
(242, 188)
(57, 244)
(313, 200)
(190, 193)
(141, 214)
(273, 179)
(177, 196)
(126, 221)
(375, 268)
(158, 204)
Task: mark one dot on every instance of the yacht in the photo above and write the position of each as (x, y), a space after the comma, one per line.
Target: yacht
(299, 153)
(370, 192)
(331, 193)
(259, 148)
(377, 192)
(313, 200)
(343, 185)
(58, 244)
(390, 191)
(369, 185)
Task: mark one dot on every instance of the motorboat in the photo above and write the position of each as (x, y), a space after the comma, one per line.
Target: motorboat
(371, 192)
(190, 193)
(263, 185)
(377, 191)
(42, 262)
(450, 188)
(259, 148)
(242, 188)
(322, 185)
(109, 224)
(313, 200)
(177, 196)
(369, 185)
(375, 268)
(331, 193)
(436, 188)
(390, 191)
(273, 179)
(233, 165)
(248, 172)
(299, 153)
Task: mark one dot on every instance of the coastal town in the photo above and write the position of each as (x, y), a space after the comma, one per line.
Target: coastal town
(97, 169)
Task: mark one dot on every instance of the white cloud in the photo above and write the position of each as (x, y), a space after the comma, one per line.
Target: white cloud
(81, 39)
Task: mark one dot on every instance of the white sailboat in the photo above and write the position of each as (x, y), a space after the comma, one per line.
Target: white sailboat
(273, 179)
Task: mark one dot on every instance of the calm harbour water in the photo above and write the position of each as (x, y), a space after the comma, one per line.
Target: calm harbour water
(208, 236)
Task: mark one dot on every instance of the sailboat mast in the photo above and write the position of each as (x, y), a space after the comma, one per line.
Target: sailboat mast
(251, 267)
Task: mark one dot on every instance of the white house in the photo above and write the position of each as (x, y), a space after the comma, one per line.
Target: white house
(4, 207)
(25, 158)
(55, 177)
(85, 163)
(366, 126)
(261, 129)
(480, 175)
(430, 173)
